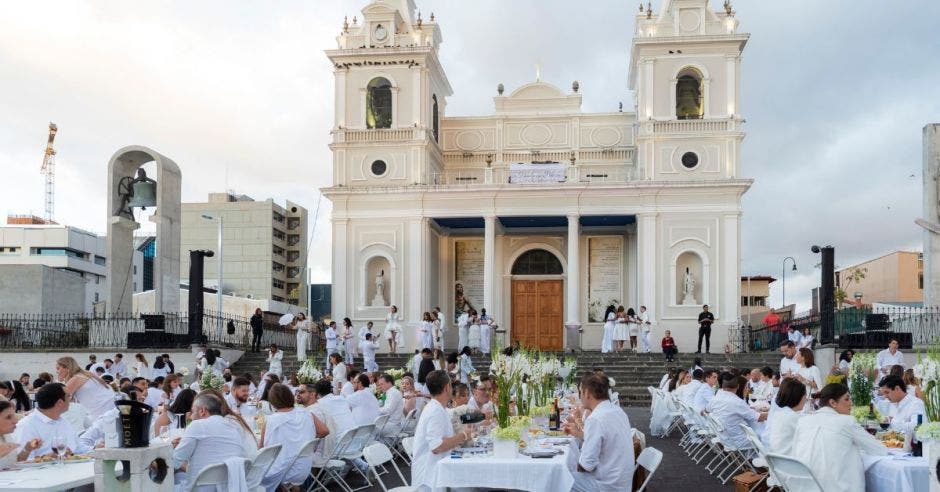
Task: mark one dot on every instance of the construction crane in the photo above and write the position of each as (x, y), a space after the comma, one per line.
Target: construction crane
(48, 169)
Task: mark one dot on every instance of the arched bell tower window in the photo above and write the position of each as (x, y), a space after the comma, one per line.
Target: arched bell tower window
(379, 103)
(434, 120)
(537, 262)
(690, 96)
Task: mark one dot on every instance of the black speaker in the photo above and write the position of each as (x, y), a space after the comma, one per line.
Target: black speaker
(153, 322)
(876, 322)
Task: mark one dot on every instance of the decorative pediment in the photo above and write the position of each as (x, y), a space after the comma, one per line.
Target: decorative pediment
(538, 98)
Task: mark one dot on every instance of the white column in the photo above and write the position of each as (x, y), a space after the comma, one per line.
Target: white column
(573, 280)
(340, 108)
(730, 83)
(646, 261)
(489, 263)
(729, 278)
(415, 281)
(340, 271)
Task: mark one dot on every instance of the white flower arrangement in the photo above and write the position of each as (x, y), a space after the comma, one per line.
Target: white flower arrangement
(184, 371)
(929, 432)
(396, 374)
(211, 379)
(927, 370)
(308, 372)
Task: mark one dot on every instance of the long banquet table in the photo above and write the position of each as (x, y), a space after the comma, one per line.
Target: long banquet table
(519, 473)
(48, 478)
(896, 474)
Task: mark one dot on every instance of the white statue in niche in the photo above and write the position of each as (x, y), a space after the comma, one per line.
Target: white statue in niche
(688, 289)
(379, 299)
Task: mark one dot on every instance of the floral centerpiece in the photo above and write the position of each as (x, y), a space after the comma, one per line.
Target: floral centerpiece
(927, 370)
(862, 373)
(396, 374)
(506, 372)
(865, 413)
(308, 372)
(211, 380)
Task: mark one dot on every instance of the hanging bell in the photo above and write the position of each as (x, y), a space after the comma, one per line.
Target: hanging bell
(145, 194)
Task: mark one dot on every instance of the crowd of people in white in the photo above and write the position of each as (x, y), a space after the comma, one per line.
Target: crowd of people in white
(790, 411)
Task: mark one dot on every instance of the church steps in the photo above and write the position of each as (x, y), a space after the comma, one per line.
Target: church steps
(632, 372)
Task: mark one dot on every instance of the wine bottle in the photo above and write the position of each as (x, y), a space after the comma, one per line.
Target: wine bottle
(917, 448)
(554, 420)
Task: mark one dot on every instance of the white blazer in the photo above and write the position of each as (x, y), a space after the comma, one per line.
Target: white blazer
(831, 444)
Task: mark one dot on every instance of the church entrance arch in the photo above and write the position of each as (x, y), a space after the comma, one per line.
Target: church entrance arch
(537, 301)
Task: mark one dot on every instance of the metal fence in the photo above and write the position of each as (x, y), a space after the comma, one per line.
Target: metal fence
(116, 330)
(923, 323)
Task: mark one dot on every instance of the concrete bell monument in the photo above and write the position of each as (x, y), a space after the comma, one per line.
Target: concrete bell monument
(129, 187)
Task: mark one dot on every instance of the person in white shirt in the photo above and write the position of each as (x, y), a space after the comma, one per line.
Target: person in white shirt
(434, 434)
(10, 450)
(339, 371)
(753, 379)
(209, 439)
(706, 392)
(119, 369)
(830, 442)
(39, 429)
(688, 391)
(349, 341)
(85, 388)
(441, 327)
(806, 341)
(332, 340)
(603, 443)
(416, 360)
(291, 428)
(349, 387)
(732, 411)
(480, 399)
(463, 327)
(788, 364)
(364, 405)
(393, 407)
(645, 327)
(274, 360)
(333, 411)
(784, 420)
(368, 346)
(808, 373)
(363, 331)
(889, 357)
(794, 336)
(905, 407)
(237, 398)
(764, 389)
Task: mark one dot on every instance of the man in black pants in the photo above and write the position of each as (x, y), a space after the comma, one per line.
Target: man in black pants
(705, 320)
(257, 329)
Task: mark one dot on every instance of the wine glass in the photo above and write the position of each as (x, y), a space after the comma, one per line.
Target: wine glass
(59, 444)
(165, 433)
(884, 424)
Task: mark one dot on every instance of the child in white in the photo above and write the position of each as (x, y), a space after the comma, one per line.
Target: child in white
(368, 348)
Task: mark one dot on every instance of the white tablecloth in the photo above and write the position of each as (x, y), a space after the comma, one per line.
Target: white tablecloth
(51, 478)
(521, 473)
(889, 474)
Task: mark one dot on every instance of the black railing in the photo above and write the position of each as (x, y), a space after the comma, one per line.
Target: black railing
(74, 331)
(923, 323)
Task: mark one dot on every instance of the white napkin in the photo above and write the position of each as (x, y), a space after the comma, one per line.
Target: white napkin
(236, 476)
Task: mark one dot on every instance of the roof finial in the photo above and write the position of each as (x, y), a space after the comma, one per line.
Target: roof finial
(432, 16)
(649, 10)
(355, 20)
(345, 23)
(500, 89)
(420, 22)
(538, 71)
(641, 6)
(728, 7)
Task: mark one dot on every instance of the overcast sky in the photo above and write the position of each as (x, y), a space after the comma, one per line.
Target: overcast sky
(240, 95)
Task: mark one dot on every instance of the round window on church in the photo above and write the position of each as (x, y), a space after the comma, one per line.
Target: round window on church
(689, 160)
(379, 167)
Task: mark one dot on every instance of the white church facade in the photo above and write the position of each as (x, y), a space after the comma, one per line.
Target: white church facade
(539, 212)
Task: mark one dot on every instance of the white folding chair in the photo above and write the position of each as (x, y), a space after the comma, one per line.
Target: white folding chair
(210, 475)
(761, 460)
(330, 466)
(793, 474)
(260, 465)
(304, 452)
(378, 454)
(649, 459)
(408, 444)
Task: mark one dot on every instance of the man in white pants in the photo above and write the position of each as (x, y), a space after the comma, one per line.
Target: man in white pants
(645, 327)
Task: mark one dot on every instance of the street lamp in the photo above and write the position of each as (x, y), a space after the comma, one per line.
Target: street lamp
(784, 280)
(219, 293)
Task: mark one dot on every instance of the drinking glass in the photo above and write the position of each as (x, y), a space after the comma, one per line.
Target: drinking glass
(165, 433)
(884, 424)
(59, 444)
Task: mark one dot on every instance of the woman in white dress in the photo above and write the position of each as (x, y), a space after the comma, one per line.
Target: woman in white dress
(463, 327)
(426, 331)
(338, 373)
(160, 369)
(620, 329)
(436, 331)
(633, 328)
(274, 360)
(393, 329)
(465, 365)
(87, 389)
(830, 442)
(349, 341)
(807, 340)
(486, 332)
(783, 421)
(473, 334)
(302, 325)
(141, 367)
(808, 374)
(610, 320)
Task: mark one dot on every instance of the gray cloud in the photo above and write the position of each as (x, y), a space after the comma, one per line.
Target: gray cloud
(835, 94)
